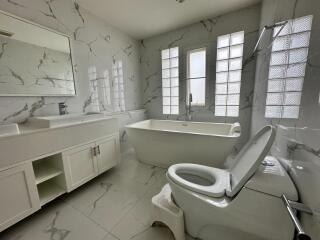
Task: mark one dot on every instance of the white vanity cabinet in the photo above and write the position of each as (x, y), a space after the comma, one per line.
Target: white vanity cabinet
(85, 162)
(19, 197)
(107, 153)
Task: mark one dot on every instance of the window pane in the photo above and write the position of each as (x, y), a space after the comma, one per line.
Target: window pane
(233, 99)
(166, 73)
(198, 90)
(175, 91)
(235, 64)
(222, 77)
(296, 70)
(166, 101)
(166, 92)
(175, 101)
(294, 84)
(277, 72)
(174, 110)
(273, 112)
(222, 53)
(276, 85)
(166, 109)
(290, 112)
(174, 52)
(302, 24)
(166, 82)
(221, 89)
(233, 111)
(292, 98)
(278, 58)
(222, 66)
(237, 38)
(274, 99)
(174, 82)
(174, 72)
(197, 64)
(223, 41)
(236, 51)
(165, 64)
(165, 54)
(174, 62)
(221, 100)
(298, 55)
(235, 76)
(220, 110)
(234, 88)
(280, 43)
(300, 40)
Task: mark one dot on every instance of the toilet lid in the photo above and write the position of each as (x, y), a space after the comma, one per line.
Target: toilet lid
(250, 158)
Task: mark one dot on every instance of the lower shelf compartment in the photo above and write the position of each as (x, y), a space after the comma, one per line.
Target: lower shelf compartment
(48, 191)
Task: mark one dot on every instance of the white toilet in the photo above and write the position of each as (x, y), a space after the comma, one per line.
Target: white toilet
(241, 203)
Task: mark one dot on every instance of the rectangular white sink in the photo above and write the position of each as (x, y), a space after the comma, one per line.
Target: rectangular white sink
(61, 120)
(7, 129)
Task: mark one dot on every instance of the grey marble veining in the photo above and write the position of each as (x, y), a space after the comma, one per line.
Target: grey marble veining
(202, 34)
(94, 43)
(275, 11)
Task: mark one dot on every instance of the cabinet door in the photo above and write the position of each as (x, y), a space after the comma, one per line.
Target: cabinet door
(18, 194)
(79, 165)
(108, 153)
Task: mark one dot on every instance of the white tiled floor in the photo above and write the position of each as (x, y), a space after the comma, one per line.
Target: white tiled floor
(114, 206)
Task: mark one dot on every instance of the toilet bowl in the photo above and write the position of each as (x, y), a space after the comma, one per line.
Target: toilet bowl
(241, 203)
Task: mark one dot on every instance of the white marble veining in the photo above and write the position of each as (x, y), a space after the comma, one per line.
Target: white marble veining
(114, 206)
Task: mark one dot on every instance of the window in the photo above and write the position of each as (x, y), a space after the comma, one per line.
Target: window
(228, 74)
(170, 80)
(196, 76)
(287, 68)
(118, 87)
(100, 90)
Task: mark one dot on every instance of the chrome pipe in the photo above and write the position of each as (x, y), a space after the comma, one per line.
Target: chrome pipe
(301, 234)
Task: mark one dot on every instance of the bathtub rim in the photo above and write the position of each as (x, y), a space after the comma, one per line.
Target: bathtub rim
(234, 135)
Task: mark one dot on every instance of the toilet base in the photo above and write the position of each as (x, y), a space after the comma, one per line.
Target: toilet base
(167, 212)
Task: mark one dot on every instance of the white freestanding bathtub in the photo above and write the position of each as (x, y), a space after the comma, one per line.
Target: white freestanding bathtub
(164, 142)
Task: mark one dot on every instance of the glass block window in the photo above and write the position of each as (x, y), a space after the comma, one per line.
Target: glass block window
(170, 80)
(287, 68)
(196, 76)
(118, 87)
(228, 74)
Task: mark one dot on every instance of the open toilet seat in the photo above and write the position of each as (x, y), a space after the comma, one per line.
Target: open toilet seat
(214, 182)
(201, 179)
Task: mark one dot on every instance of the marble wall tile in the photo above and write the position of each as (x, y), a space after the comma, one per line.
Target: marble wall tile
(274, 11)
(94, 44)
(202, 34)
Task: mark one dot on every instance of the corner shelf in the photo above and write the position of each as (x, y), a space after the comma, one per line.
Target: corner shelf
(49, 191)
(44, 172)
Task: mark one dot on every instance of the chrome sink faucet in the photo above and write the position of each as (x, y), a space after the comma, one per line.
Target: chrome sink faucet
(189, 111)
(63, 108)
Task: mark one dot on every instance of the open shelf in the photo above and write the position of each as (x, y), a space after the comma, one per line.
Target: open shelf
(48, 191)
(45, 171)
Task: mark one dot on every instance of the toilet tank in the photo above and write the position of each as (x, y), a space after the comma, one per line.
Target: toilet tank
(271, 178)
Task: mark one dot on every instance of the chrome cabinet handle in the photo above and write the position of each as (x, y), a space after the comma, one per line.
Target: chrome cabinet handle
(98, 147)
(94, 151)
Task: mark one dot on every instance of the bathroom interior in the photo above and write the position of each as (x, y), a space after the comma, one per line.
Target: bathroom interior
(159, 120)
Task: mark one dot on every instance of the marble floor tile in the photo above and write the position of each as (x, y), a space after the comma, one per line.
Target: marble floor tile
(58, 221)
(114, 206)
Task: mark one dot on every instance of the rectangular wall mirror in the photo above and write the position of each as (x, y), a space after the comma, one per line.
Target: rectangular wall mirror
(34, 60)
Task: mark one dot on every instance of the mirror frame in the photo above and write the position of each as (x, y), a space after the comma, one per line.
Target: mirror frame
(71, 55)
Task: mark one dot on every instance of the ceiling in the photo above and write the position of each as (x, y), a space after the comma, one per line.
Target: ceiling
(145, 18)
